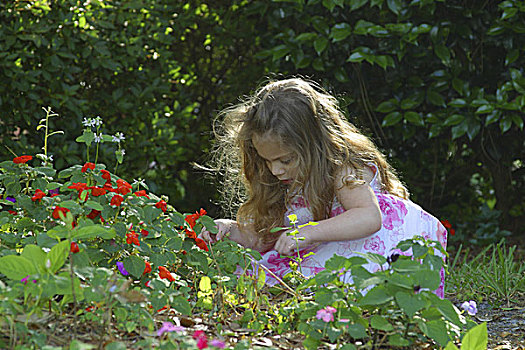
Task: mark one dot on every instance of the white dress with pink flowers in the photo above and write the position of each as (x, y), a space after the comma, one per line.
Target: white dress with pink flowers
(402, 219)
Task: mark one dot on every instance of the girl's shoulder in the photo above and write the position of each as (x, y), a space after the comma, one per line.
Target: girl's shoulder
(347, 175)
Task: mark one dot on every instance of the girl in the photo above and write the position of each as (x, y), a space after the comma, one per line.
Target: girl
(293, 152)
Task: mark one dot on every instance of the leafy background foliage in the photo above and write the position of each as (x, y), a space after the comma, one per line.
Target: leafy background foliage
(438, 85)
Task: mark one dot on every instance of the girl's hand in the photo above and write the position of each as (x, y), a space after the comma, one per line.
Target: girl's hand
(224, 227)
(287, 245)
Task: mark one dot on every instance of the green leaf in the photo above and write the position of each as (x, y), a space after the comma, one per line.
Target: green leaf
(386, 106)
(394, 5)
(414, 118)
(320, 44)
(476, 338)
(376, 296)
(459, 130)
(279, 52)
(36, 255)
(16, 267)
(87, 137)
(58, 255)
(93, 231)
(435, 98)
(458, 103)
(357, 331)
(134, 265)
(505, 123)
(454, 119)
(94, 205)
(355, 4)
(443, 53)
(182, 305)
(512, 56)
(340, 31)
(379, 322)
(392, 119)
(398, 340)
(435, 330)
(410, 304)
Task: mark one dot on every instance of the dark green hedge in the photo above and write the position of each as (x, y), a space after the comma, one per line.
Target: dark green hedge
(438, 84)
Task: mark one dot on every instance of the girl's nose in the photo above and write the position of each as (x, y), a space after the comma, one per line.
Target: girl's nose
(276, 169)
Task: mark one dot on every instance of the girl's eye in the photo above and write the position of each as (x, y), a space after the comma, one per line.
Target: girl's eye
(286, 161)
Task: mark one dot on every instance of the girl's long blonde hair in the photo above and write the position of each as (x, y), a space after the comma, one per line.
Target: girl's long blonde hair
(308, 120)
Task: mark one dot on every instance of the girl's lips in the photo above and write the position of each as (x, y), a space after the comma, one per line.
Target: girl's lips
(287, 182)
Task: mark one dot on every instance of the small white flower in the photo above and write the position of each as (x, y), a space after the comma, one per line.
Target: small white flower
(112, 289)
(87, 122)
(122, 151)
(118, 137)
(48, 264)
(97, 121)
(98, 138)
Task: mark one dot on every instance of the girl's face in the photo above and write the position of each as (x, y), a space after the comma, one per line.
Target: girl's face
(280, 160)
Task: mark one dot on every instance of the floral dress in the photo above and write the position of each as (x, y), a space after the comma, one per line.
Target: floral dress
(402, 219)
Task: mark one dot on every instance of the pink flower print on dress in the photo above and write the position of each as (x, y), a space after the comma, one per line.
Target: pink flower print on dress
(278, 265)
(337, 210)
(298, 202)
(393, 211)
(441, 234)
(375, 245)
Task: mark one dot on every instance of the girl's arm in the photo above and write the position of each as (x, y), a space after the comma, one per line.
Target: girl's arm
(362, 218)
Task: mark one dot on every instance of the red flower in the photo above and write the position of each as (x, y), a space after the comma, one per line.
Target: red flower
(132, 238)
(94, 213)
(162, 205)
(141, 193)
(87, 166)
(164, 273)
(58, 210)
(123, 187)
(39, 194)
(200, 337)
(147, 269)
(116, 200)
(12, 212)
(144, 232)
(74, 248)
(201, 244)
(106, 175)
(22, 159)
(190, 233)
(97, 191)
(192, 218)
(79, 186)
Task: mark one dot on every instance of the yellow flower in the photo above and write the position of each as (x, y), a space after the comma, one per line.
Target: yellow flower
(292, 218)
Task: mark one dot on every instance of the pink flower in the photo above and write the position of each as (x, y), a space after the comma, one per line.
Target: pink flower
(375, 245)
(202, 341)
(169, 327)
(218, 343)
(326, 314)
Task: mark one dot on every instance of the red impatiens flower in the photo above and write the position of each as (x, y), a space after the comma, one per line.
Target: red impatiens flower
(164, 273)
(123, 187)
(79, 186)
(162, 205)
(93, 214)
(87, 166)
(106, 175)
(201, 244)
(58, 210)
(192, 218)
(74, 248)
(132, 238)
(141, 193)
(39, 194)
(98, 191)
(22, 159)
(147, 269)
(116, 200)
(144, 232)
(190, 233)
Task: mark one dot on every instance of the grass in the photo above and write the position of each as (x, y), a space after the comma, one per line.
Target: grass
(495, 274)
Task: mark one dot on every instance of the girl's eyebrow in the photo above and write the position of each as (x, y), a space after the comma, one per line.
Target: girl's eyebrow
(277, 158)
